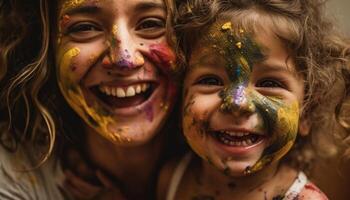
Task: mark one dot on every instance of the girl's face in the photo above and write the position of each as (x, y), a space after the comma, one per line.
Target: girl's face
(114, 66)
(241, 100)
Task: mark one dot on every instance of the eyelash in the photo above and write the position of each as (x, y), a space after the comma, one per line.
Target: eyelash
(210, 81)
(82, 27)
(272, 83)
(150, 23)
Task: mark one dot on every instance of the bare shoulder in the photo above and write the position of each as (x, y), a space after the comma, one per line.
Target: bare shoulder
(312, 192)
(165, 176)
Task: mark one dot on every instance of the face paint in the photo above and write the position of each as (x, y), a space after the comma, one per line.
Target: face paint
(277, 118)
(95, 115)
(70, 4)
(163, 57)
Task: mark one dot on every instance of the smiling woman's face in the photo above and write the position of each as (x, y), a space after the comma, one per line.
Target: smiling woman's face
(114, 66)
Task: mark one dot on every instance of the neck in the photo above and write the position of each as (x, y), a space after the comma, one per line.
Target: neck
(133, 166)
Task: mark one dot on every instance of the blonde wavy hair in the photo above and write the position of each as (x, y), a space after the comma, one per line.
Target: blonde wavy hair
(321, 53)
(31, 104)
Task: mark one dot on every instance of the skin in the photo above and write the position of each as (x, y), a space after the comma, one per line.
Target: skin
(114, 43)
(240, 83)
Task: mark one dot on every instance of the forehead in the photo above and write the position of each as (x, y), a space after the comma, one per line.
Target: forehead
(69, 5)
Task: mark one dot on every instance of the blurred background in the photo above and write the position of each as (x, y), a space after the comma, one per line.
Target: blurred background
(339, 10)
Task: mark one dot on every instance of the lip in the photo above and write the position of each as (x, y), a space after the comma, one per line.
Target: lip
(158, 90)
(237, 150)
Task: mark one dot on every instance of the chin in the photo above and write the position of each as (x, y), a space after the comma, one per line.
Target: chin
(236, 168)
(135, 132)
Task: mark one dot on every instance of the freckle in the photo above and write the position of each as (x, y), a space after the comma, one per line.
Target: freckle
(141, 44)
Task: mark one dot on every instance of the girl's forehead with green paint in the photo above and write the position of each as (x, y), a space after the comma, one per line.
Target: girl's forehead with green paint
(210, 49)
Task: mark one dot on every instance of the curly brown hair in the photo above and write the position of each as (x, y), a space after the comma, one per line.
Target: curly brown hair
(32, 107)
(320, 51)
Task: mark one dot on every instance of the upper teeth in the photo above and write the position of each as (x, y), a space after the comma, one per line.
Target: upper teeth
(121, 92)
(238, 134)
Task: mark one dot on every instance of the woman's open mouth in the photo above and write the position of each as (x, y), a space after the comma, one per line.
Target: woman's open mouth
(237, 139)
(124, 96)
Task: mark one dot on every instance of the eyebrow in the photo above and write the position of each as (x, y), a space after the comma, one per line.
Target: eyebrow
(84, 9)
(266, 66)
(148, 6)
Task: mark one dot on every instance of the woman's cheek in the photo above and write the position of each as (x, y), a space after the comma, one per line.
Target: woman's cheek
(164, 58)
(67, 67)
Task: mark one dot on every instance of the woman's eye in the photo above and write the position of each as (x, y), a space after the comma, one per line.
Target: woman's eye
(210, 80)
(83, 31)
(151, 23)
(269, 83)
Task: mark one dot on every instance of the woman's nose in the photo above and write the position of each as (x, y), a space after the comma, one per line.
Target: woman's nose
(123, 51)
(237, 101)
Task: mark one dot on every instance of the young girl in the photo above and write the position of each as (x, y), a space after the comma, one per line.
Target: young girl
(100, 74)
(260, 77)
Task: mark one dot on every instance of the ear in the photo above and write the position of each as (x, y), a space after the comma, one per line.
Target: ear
(304, 126)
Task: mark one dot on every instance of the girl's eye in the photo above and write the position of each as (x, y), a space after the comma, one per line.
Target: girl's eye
(270, 83)
(210, 80)
(83, 31)
(151, 23)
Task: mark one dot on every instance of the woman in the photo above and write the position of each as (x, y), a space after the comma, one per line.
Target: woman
(115, 69)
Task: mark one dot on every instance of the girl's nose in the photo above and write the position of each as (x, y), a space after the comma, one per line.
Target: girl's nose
(237, 101)
(123, 51)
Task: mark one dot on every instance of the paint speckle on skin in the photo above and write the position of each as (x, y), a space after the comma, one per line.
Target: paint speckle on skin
(64, 21)
(115, 30)
(164, 106)
(232, 185)
(149, 113)
(92, 59)
(73, 68)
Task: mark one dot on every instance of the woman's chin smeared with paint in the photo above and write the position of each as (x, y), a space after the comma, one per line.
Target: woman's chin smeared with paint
(114, 66)
(241, 100)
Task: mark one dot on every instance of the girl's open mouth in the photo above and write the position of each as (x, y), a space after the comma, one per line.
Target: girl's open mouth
(124, 96)
(237, 139)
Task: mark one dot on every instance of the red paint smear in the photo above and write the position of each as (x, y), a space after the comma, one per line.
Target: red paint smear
(64, 21)
(313, 188)
(163, 56)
